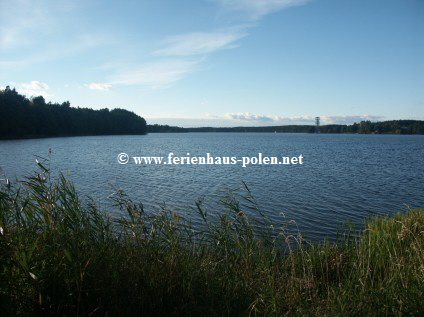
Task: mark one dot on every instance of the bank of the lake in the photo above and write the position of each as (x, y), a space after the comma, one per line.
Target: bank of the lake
(62, 255)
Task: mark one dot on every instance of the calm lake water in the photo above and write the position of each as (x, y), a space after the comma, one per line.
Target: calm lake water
(343, 178)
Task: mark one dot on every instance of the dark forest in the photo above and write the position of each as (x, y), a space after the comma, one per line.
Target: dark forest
(21, 117)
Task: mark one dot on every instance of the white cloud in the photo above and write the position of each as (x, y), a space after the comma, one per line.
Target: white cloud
(197, 43)
(309, 120)
(34, 88)
(258, 8)
(247, 116)
(157, 74)
(99, 86)
(348, 119)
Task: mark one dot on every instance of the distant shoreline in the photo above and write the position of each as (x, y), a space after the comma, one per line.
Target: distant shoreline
(364, 127)
(400, 127)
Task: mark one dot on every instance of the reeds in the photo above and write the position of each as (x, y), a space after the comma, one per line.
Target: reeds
(63, 256)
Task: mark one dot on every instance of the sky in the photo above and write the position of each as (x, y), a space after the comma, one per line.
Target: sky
(220, 63)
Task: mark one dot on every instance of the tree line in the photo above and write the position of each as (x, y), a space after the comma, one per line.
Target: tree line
(21, 117)
(363, 127)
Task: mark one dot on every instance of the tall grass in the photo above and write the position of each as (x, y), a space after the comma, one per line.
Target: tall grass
(63, 256)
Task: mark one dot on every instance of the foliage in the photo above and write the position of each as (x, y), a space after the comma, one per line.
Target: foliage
(21, 117)
(163, 128)
(61, 256)
(364, 127)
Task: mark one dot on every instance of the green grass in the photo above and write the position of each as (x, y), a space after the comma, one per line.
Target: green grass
(63, 256)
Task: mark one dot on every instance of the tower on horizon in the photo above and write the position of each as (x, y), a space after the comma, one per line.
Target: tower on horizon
(317, 124)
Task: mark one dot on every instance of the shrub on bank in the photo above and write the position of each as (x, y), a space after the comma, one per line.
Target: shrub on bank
(63, 256)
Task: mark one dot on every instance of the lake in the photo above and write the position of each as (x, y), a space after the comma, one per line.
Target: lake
(342, 178)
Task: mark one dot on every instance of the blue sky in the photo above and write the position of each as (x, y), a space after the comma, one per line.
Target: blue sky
(220, 62)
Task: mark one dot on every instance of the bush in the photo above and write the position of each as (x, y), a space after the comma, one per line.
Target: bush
(62, 256)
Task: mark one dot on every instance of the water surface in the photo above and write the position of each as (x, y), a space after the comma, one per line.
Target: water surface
(343, 178)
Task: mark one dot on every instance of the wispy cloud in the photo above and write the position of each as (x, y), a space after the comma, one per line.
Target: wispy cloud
(34, 88)
(180, 56)
(256, 9)
(180, 48)
(201, 43)
(158, 74)
(184, 53)
(99, 86)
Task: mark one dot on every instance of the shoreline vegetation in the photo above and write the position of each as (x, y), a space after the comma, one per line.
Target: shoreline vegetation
(63, 256)
(22, 118)
(363, 127)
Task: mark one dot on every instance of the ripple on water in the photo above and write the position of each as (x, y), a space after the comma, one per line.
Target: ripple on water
(344, 177)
